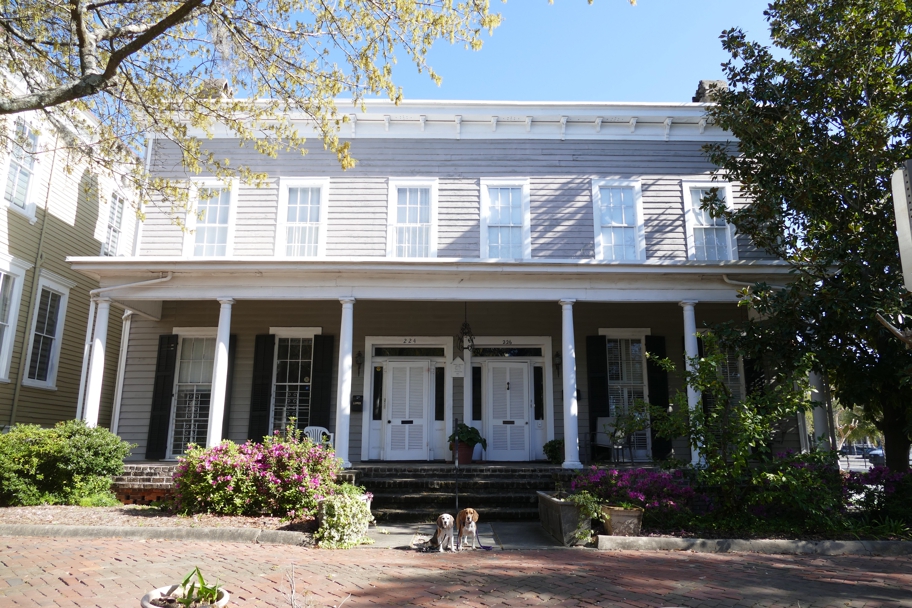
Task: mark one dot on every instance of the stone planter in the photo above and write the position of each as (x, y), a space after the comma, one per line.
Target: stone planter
(561, 519)
(622, 522)
(146, 601)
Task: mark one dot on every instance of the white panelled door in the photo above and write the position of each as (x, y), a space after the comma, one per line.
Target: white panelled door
(509, 404)
(407, 406)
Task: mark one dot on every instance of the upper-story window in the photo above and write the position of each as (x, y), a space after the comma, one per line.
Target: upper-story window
(47, 330)
(21, 172)
(115, 222)
(211, 228)
(505, 224)
(708, 238)
(12, 275)
(301, 226)
(412, 216)
(618, 219)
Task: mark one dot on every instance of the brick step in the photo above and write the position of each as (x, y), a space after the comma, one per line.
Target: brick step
(437, 499)
(493, 485)
(429, 515)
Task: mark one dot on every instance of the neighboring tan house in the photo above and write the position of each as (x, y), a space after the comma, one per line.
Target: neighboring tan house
(47, 214)
(567, 235)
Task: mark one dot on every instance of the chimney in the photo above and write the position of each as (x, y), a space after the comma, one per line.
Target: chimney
(707, 88)
(216, 88)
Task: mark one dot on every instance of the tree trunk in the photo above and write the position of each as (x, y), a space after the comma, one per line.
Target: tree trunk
(896, 441)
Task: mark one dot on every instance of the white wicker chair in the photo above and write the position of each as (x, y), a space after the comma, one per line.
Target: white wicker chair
(317, 434)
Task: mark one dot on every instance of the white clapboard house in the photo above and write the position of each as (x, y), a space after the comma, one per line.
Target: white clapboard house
(568, 236)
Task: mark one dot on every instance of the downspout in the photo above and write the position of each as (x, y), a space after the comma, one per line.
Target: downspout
(121, 368)
(39, 259)
(137, 230)
(101, 290)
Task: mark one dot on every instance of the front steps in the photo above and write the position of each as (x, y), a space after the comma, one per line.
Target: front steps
(421, 492)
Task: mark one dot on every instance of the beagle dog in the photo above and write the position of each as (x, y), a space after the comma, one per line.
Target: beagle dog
(445, 531)
(467, 530)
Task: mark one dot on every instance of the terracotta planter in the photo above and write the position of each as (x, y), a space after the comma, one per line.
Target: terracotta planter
(561, 519)
(622, 522)
(465, 453)
(146, 601)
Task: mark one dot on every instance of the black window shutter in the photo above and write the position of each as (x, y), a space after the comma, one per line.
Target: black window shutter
(321, 381)
(657, 382)
(261, 392)
(232, 351)
(597, 371)
(754, 379)
(538, 392)
(439, 381)
(162, 392)
(476, 393)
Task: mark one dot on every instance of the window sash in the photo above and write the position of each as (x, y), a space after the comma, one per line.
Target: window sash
(412, 229)
(115, 219)
(505, 222)
(7, 282)
(303, 222)
(44, 335)
(626, 377)
(212, 227)
(711, 236)
(292, 383)
(21, 166)
(190, 423)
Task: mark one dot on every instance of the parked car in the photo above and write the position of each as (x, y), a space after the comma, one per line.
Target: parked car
(876, 456)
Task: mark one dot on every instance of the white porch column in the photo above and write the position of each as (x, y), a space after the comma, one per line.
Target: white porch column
(86, 357)
(220, 374)
(97, 362)
(691, 351)
(343, 392)
(821, 418)
(571, 407)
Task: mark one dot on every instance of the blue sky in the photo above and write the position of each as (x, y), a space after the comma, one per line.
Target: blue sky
(657, 50)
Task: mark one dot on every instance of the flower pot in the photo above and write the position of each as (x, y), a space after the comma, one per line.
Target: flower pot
(619, 521)
(561, 519)
(465, 453)
(146, 601)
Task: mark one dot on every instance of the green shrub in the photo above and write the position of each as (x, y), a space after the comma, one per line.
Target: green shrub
(70, 463)
(554, 451)
(344, 518)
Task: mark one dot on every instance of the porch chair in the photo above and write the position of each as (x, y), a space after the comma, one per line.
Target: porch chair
(317, 434)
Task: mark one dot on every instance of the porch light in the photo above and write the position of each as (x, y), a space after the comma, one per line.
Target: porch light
(465, 338)
(557, 362)
(359, 361)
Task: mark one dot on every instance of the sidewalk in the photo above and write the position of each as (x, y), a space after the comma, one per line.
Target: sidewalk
(499, 536)
(110, 573)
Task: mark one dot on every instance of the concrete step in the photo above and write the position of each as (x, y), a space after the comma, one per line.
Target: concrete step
(429, 515)
(475, 483)
(438, 499)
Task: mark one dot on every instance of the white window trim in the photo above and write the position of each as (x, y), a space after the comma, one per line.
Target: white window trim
(60, 285)
(690, 220)
(281, 238)
(30, 206)
(117, 251)
(17, 269)
(410, 182)
(191, 221)
(288, 332)
(184, 332)
(597, 216)
(526, 213)
(296, 332)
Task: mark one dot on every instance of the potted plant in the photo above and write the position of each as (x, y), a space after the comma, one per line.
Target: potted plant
(468, 437)
(621, 519)
(565, 519)
(193, 592)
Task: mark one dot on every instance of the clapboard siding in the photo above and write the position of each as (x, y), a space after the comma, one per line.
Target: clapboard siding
(560, 173)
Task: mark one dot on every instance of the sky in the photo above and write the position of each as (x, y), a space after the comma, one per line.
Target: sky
(656, 51)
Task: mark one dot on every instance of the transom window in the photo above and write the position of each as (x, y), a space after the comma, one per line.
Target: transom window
(302, 230)
(115, 219)
(21, 166)
(413, 219)
(617, 214)
(194, 393)
(710, 239)
(212, 226)
(292, 387)
(505, 232)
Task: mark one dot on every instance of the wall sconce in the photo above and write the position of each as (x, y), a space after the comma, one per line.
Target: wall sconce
(557, 362)
(359, 361)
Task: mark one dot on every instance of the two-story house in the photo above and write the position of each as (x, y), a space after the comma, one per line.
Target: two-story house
(53, 207)
(567, 236)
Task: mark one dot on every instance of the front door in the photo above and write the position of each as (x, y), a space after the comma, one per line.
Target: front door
(509, 403)
(406, 422)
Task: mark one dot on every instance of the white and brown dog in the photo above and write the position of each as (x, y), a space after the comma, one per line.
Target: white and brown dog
(445, 531)
(467, 529)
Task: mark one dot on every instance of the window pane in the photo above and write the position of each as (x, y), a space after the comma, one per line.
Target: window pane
(212, 226)
(194, 388)
(413, 217)
(625, 374)
(292, 385)
(44, 336)
(21, 166)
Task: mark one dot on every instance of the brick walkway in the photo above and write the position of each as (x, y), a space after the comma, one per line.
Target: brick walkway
(116, 573)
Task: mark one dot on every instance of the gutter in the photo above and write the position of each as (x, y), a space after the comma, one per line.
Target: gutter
(744, 284)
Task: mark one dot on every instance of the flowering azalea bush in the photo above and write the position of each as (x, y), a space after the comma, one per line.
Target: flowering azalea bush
(882, 494)
(283, 476)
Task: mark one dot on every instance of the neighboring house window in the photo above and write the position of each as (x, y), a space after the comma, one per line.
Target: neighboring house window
(47, 330)
(193, 390)
(21, 166)
(212, 226)
(12, 273)
(293, 377)
(505, 223)
(115, 220)
(627, 383)
(301, 230)
(618, 220)
(710, 239)
(412, 219)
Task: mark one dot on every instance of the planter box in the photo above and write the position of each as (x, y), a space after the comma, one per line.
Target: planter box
(622, 522)
(561, 519)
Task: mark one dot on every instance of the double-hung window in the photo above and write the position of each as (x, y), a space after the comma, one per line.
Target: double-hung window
(211, 227)
(505, 223)
(12, 274)
(21, 173)
(301, 226)
(193, 389)
(412, 214)
(618, 219)
(47, 330)
(708, 238)
(115, 222)
(293, 379)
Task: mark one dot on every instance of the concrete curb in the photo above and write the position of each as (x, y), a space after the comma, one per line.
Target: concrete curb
(216, 535)
(772, 547)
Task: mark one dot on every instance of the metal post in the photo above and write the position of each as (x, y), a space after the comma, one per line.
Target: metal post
(456, 458)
